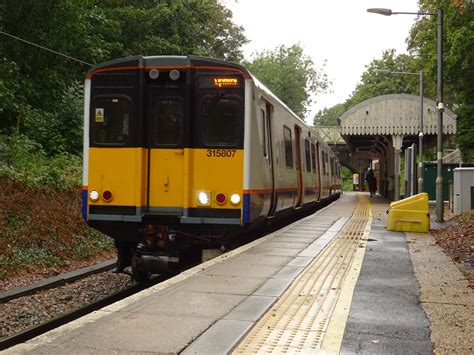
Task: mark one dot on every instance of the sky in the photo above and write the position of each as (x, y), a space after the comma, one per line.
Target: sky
(339, 35)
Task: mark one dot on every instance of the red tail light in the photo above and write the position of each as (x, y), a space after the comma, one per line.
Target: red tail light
(107, 195)
(221, 198)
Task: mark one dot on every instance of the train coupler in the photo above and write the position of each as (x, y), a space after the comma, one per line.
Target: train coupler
(154, 262)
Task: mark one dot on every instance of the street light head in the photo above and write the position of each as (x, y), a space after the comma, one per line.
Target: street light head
(380, 11)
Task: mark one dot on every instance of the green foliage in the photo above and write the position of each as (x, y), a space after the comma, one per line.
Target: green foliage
(458, 34)
(40, 93)
(329, 116)
(346, 176)
(377, 79)
(10, 100)
(290, 75)
(178, 27)
(24, 162)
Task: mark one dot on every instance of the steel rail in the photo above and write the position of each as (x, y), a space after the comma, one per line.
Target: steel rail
(55, 281)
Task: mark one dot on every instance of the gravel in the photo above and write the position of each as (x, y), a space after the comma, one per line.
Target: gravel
(457, 241)
(24, 312)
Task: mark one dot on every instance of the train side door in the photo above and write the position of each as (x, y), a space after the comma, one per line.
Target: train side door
(318, 162)
(299, 173)
(268, 155)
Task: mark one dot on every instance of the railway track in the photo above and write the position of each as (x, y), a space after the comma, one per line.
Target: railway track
(55, 281)
(47, 325)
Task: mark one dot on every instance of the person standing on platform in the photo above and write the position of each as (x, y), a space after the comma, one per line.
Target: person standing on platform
(372, 182)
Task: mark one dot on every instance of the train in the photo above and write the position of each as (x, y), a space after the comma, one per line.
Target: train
(186, 152)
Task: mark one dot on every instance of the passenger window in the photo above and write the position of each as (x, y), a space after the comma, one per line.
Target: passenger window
(288, 147)
(313, 158)
(222, 117)
(110, 120)
(307, 155)
(167, 120)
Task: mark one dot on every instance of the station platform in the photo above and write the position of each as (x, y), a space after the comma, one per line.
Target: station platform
(333, 282)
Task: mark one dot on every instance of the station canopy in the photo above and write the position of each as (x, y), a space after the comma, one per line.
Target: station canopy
(392, 115)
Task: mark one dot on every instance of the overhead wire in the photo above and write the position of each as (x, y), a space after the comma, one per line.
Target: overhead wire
(45, 48)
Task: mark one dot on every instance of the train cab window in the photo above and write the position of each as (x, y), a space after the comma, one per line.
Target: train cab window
(167, 119)
(313, 158)
(222, 119)
(288, 147)
(307, 155)
(110, 120)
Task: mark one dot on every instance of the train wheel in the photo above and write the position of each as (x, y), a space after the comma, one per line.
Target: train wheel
(139, 275)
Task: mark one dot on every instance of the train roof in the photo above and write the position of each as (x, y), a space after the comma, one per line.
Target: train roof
(165, 61)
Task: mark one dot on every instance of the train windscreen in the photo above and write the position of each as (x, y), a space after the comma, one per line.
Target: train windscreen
(221, 110)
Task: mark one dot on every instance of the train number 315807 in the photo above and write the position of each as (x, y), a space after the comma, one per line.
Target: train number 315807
(221, 153)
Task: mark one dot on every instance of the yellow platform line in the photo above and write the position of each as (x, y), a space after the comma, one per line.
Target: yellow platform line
(335, 332)
(298, 322)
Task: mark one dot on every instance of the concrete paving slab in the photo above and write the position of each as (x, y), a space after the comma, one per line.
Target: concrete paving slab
(273, 287)
(300, 261)
(237, 268)
(83, 350)
(315, 248)
(220, 338)
(260, 259)
(287, 245)
(251, 309)
(269, 250)
(288, 272)
(307, 234)
(234, 285)
(298, 239)
(184, 303)
(137, 333)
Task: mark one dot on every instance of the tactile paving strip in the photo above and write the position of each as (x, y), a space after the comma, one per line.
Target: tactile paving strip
(297, 322)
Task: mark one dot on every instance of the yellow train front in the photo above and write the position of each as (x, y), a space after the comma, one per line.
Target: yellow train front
(163, 156)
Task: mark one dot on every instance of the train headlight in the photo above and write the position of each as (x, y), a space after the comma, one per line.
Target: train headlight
(94, 196)
(203, 198)
(235, 199)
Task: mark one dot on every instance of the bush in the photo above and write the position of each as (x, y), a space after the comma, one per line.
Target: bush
(40, 209)
(24, 162)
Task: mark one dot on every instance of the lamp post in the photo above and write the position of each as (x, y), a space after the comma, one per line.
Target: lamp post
(440, 104)
(420, 123)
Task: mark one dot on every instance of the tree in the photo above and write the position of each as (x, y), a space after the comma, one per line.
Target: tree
(290, 75)
(329, 116)
(377, 80)
(458, 62)
(175, 27)
(39, 90)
